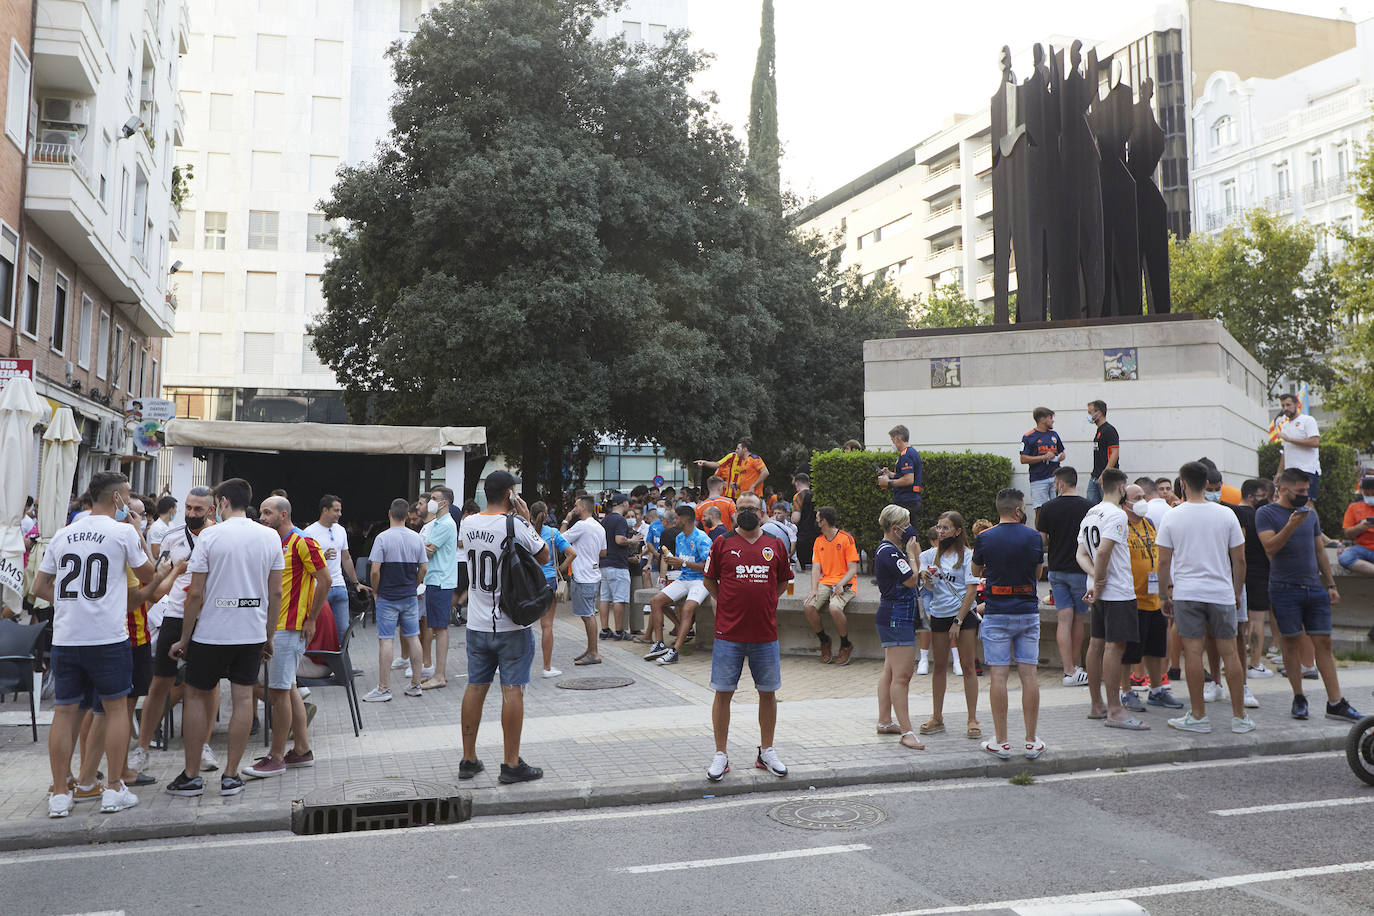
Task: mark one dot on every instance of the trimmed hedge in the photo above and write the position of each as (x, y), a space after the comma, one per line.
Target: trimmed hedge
(966, 482)
(1340, 467)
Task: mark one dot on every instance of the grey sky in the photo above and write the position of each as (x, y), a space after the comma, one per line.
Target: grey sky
(861, 80)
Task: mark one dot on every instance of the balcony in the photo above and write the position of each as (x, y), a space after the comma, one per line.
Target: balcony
(948, 217)
(68, 49)
(982, 159)
(982, 204)
(179, 122)
(1281, 203)
(941, 179)
(183, 28)
(1216, 219)
(983, 246)
(943, 259)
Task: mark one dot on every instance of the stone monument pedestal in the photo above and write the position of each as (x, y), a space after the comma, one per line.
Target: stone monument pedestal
(1176, 387)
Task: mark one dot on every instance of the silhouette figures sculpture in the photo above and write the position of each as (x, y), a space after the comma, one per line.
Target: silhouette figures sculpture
(1146, 148)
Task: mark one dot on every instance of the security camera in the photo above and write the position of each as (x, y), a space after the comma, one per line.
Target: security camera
(176, 265)
(131, 125)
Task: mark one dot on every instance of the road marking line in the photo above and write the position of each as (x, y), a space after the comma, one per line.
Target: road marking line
(1160, 890)
(743, 860)
(1294, 806)
(655, 811)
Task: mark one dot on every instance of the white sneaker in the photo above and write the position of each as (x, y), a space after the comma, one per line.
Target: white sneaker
(768, 760)
(1212, 692)
(425, 672)
(1250, 701)
(409, 671)
(720, 765)
(207, 758)
(398, 663)
(138, 759)
(923, 666)
(958, 668)
(552, 672)
(60, 805)
(303, 691)
(1079, 678)
(377, 695)
(1258, 671)
(112, 800)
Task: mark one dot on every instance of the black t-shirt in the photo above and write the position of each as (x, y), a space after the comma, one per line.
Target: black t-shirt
(617, 556)
(1061, 518)
(1105, 440)
(667, 543)
(1256, 560)
(807, 529)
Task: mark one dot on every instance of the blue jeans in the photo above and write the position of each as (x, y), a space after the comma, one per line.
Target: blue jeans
(1068, 590)
(1300, 608)
(1011, 636)
(85, 675)
(390, 611)
(1094, 494)
(727, 664)
(1354, 553)
(510, 650)
(338, 603)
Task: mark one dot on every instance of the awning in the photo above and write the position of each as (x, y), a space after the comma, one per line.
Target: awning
(323, 437)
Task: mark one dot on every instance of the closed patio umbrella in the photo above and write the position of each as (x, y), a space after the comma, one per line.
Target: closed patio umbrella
(20, 409)
(55, 473)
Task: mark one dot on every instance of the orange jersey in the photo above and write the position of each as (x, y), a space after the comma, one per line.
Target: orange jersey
(833, 556)
(725, 504)
(303, 560)
(138, 616)
(741, 476)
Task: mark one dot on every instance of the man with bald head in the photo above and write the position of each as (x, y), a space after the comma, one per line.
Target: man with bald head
(305, 583)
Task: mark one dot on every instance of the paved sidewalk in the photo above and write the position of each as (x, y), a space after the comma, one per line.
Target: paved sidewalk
(647, 742)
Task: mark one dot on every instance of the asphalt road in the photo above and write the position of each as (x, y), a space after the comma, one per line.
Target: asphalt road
(1170, 840)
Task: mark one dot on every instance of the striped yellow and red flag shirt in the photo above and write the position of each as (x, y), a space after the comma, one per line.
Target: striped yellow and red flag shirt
(303, 560)
(138, 616)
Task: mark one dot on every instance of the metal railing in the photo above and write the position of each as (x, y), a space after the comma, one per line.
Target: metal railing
(61, 154)
(943, 171)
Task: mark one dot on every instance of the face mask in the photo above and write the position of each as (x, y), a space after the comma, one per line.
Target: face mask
(143, 525)
(195, 522)
(1091, 420)
(1212, 496)
(121, 512)
(1369, 500)
(1136, 508)
(433, 507)
(746, 519)
(1298, 500)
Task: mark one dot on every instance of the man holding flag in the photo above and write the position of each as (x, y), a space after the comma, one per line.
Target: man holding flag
(1300, 437)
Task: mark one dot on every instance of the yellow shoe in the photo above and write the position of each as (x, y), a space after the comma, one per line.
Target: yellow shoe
(80, 794)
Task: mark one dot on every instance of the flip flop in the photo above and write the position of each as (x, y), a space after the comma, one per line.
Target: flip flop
(973, 732)
(580, 657)
(142, 779)
(891, 728)
(1131, 724)
(430, 684)
(1097, 715)
(916, 745)
(587, 660)
(932, 727)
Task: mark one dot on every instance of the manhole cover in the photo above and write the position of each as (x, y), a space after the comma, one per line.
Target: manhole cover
(595, 683)
(827, 815)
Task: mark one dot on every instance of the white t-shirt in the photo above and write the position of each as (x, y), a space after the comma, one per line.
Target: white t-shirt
(334, 536)
(1106, 522)
(238, 557)
(27, 525)
(175, 547)
(1302, 457)
(483, 536)
(1155, 509)
(157, 531)
(90, 589)
(1201, 536)
(588, 538)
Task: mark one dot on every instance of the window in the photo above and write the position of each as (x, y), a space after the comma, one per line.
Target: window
(257, 352)
(633, 31)
(124, 202)
(224, 54)
(262, 230)
(326, 116)
(212, 292)
(269, 109)
(260, 292)
(130, 360)
(271, 53)
(33, 283)
(118, 349)
(9, 256)
(328, 59)
(890, 230)
(17, 102)
(102, 347)
(83, 350)
(59, 315)
(1228, 196)
(314, 296)
(655, 33)
(216, 230)
(178, 352)
(221, 111)
(106, 160)
(209, 354)
(1282, 182)
(142, 373)
(218, 172)
(1314, 165)
(1343, 162)
(322, 174)
(186, 230)
(155, 382)
(315, 226)
(267, 171)
(310, 360)
(1223, 131)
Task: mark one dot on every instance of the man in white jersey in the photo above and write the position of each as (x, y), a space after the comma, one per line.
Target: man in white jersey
(333, 541)
(230, 620)
(82, 576)
(166, 510)
(493, 640)
(1105, 556)
(587, 537)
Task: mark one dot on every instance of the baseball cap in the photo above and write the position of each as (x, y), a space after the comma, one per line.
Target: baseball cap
(1367, 482)
(616, 499)
(498, 482)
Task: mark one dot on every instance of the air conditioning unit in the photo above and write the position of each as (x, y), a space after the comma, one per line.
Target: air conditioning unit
(69, 138)
(57, 110)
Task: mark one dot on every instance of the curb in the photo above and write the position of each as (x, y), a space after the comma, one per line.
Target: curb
(28, 835)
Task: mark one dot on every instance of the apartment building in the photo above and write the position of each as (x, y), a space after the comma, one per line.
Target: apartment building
(279, 94)
(91, 119)
(923, 219)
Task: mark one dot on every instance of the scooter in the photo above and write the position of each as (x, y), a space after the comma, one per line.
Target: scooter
(1359, 749)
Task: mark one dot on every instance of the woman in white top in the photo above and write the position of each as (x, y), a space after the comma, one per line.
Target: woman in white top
(947, 574)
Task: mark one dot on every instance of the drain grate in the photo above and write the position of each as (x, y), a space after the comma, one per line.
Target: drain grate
(382, 803)
(827, 815)
(595, 683)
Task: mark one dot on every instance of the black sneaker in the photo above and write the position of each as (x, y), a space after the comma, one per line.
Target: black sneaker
(1175, 674)
(521, 772)
(626, 636)
(1343, 711)
(256, 726)
(469, 768)
(607, 633)
(230, 785)
(186, 786)
(1300, 707)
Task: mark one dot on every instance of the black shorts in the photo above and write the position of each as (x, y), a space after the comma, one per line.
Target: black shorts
(1115, 621)
(206, 664)
(170, 631)
(942, 624)
(1257, 596)
(1154, 639)
(462, 578)
(143, 669)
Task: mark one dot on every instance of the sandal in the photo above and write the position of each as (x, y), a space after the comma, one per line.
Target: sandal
(933, 727)
(974, 731)
(914, 744)
(587, 660)
(889, 728)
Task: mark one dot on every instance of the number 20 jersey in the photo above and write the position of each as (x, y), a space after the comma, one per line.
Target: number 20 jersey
(90, 599)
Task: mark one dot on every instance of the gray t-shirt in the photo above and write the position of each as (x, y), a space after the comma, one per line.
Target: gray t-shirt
(1296, 562)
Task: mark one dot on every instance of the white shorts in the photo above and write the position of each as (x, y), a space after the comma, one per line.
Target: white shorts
(678, 589)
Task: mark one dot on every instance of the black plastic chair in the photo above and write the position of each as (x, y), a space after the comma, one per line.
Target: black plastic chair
(19, 655)
(341, 674)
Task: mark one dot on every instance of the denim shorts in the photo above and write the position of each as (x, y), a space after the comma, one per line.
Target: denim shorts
(1068, 590)
(1041, 491)
(1354, 553)
(392, 610)
(85, 675)
(583, 597)
(510, 650)
(727, 663)
(288, 648)
(438, 604)
(1011, 636)
(1300, 608)
(897, 633)
(340, 608)
(615, 585)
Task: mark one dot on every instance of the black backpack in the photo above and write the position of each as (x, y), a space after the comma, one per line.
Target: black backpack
(525, 592)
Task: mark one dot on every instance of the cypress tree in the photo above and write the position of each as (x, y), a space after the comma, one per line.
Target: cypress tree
(765, 187)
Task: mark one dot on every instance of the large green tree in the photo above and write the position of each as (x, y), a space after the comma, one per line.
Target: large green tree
(554, 242)
(950, 307)
(1261, 280)
(1351, 393)
(765, 183)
